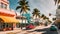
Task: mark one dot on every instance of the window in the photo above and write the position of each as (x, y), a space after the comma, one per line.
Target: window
(3, 6)
(1, 25)
(18, 25)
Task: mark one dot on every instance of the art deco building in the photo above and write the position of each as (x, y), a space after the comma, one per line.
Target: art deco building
(7, 16)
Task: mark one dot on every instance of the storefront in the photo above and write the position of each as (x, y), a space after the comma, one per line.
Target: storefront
(7, 20)
(7, 23)
(7, 16)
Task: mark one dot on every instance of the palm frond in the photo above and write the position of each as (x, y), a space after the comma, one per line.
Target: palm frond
(58, 1)
(28, 8)
(26, 2)
(36, 12)
(21, 11)
(55, 1)
(18, 7)
(24, 5)
(21, 3)
(42, 15)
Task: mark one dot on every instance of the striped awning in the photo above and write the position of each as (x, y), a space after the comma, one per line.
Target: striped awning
(9, 19)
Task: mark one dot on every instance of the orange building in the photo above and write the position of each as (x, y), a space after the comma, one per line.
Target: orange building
(7, 16)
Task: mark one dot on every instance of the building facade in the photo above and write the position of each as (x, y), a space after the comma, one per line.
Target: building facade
(7, 16)
(4, 4)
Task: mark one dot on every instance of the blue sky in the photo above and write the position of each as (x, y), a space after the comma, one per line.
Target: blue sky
(45, 6)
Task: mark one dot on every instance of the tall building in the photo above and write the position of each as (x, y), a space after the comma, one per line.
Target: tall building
(4, 4)
(7, 16)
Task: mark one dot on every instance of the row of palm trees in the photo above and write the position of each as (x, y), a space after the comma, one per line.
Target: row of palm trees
(24, 6)
(57, 1)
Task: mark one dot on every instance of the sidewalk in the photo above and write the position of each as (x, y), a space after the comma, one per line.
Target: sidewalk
(14, 31)
(19, 31)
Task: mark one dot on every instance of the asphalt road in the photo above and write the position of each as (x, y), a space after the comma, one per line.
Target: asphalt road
(47, 31)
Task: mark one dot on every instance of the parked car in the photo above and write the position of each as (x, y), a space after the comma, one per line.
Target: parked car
(53, 28)
(30, 26)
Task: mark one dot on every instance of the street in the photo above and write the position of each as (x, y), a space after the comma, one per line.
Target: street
(37, 30)
(41, 31)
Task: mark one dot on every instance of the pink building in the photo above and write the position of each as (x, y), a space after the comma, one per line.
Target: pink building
(7, 16)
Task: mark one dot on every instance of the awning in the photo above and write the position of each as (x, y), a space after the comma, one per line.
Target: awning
(9, 19)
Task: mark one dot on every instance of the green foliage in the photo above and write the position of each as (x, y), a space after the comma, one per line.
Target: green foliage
(42, 15)
(53, 18)
(23, 5)
(36, 12)
(57, 1)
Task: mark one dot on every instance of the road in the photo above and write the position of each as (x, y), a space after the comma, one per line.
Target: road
(37, 30)
(41, 31)
(47, 31)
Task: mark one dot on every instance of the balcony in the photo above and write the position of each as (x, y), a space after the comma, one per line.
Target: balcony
(5, 11)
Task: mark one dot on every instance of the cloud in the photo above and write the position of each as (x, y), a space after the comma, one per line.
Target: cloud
(45, 6)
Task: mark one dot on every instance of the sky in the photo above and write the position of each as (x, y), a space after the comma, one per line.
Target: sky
(45, 6)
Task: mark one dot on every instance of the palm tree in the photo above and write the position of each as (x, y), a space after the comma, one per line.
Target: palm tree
(53, 19)
(45, 18)
(23, 6)
(36, 12)
(42, 15)
(57, 1)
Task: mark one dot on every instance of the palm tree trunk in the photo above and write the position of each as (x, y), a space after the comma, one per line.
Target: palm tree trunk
(25, 21)
(36, 16)
(22, 21)
(21, 24)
